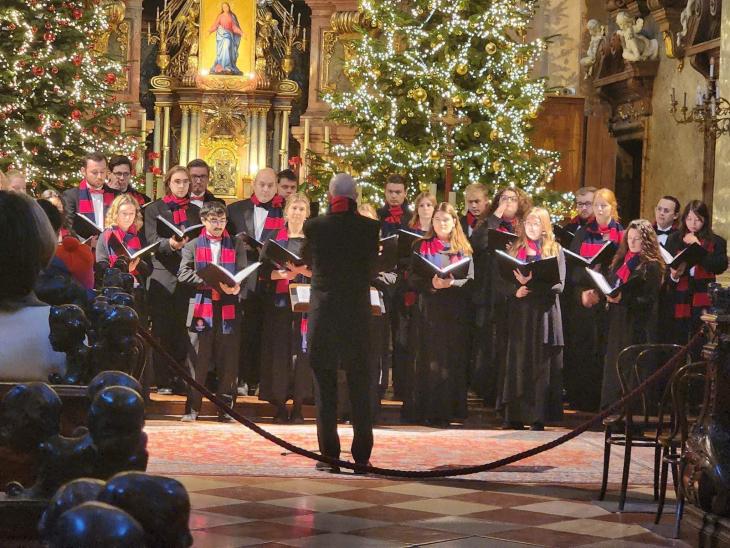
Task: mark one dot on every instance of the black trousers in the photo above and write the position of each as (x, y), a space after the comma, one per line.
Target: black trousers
(168, 312)
(339, 334)
(212, 350)
(249, 369)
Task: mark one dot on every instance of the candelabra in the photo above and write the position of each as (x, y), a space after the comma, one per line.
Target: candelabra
(162, 25)
(295, 37)
(711, 112)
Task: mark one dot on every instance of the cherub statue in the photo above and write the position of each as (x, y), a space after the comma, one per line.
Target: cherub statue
(636, 47)
(597, 32)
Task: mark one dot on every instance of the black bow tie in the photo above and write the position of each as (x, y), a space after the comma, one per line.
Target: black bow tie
(666, 232)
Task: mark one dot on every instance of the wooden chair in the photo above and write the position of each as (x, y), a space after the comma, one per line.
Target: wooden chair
(634, 364)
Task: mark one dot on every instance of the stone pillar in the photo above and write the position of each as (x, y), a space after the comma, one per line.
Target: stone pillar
(184, 135)
(263, 161)
(284, 149)
(276, 143)
(253, 144)
(194, 133)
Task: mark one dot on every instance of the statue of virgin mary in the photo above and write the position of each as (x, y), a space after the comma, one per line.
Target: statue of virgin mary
(227, 39)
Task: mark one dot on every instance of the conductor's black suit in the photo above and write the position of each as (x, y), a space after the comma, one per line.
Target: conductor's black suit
(342, 248)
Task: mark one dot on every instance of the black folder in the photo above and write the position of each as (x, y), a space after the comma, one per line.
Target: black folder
(121, 249)
(388, 255)
(459, 270)
(600, 282)
(85, 227)
(405, 242)
(252, 242)
(563, 235)
(279, 255)
(692, 255)
(213, 274)
(543, 270)
(498, 240)
(166, 229)
(603, 257)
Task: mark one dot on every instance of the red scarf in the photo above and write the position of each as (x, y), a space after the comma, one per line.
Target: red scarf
(275, 212)
(341, 204)
(179, 207)
(86, 205)
(434, 251)
(130, 239)
(141, 198)
(395, 213)
(691, 293)
(596, 236)
(631, 261)
(522, 252)
(471, 220)
(205, 295)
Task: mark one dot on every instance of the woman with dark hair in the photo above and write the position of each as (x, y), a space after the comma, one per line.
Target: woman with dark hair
(633, 312)
(168, 301)
(688, 286)
(440, 326)
(587, 323)
(26, 247)
(285, 368)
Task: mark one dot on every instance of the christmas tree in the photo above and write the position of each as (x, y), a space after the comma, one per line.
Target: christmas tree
(56, 92)
(417, 60)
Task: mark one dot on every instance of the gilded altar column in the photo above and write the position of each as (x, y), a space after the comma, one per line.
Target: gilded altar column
(184, 135)
(194, 145)
(253, 144)
(276, 140)
(284, 150)
(262, 138)
(165, 147)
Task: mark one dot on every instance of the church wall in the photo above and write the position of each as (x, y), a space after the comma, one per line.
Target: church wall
(560, 62)
(673, 153)
(721, 201)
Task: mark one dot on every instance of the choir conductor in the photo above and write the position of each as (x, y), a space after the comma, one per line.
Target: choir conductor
(342, 247)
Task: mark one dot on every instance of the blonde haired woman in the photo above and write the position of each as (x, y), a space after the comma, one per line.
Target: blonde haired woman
(531, 386)
(285, 368)
(124, 220)
(440, 327)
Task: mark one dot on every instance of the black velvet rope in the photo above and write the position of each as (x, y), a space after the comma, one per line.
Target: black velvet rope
(420, 474)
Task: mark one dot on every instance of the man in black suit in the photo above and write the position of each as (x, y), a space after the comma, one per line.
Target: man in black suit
(260, 216)
(343, 248)
(91, 198)
(120, 171)
(199, 178)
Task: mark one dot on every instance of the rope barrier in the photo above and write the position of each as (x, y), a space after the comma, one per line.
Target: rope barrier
(421, 474)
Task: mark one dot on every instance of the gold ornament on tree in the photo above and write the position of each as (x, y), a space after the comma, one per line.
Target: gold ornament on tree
(423, 187)
(434, 155)
(462, 69)
(491, 48)
(477, 134)
(494, 134)
(487, 102)
(458, 101)
(419, 94)
(496, 166)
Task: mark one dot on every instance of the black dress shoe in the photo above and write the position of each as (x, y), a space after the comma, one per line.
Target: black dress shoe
(537, 427)
(281, 416)
(324, 467)
(296, 416)
(225, 417)
(513, 425)
(362, 472)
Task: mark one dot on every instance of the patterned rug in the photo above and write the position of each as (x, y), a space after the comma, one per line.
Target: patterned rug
(211, 448)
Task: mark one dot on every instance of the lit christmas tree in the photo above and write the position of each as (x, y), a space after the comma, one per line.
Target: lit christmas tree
(56, 92)
(415, 59)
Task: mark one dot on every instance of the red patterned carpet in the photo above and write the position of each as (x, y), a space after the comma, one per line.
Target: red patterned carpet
(210, 448)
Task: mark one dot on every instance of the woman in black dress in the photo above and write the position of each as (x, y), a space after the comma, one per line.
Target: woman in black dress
(632, 313)
(687, 287)
(168, 302)
(441, 327)
(531, 382)
(285, 368)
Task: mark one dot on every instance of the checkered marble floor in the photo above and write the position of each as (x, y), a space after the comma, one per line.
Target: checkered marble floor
(344, 511)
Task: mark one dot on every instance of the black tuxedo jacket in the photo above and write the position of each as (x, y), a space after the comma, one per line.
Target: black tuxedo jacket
(165, 261)
(70, 199)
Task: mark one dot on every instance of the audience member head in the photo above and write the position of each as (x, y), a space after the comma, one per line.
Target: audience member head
(667, 212)
(264, 185)
(213, 216)
(296, 209)
(342, 184)
(510, 203)
(124, 213)
(476, 199)
(538, 228)
(367, 210)
(14, 181)
(639, 237)
(177, 182)
(286, 183)
(55, 198)
(424, 206)
(27, 244)
(94, 170)
(395, 190)
(584, 201)
(120, 168)
(445, 226)
(199, 177)
(695, 219)
(93, 524)
(605, 206)
(54, 215)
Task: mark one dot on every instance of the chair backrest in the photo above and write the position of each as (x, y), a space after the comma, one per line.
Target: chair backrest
(683, 401)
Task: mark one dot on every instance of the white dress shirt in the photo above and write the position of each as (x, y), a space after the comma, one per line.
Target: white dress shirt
(215, 251)
(197, 200)
(98, 201)
(259, 219)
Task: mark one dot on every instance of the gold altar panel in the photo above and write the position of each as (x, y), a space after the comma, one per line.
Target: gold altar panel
(227, 39)
(226, 158)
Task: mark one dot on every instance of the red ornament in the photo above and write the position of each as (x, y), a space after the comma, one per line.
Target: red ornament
(48, 25)
(34, 150)
(12, 27)
(76, 114)
(38, 71)
(54, 70)
(76, 60)
(156, 170)
(41, 117)
(56, 124)
(76, 13)
(71, 102)
(39, 129)
(34, 29)
(153, 155)
(295, 161)
(49, 37)
(110, 78)
(95, 130)
(3, 116)
(52, 8)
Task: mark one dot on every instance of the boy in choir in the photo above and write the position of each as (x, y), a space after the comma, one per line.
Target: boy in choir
(475, 196)
(93, 197)
(395, 214)
(214, 340)
(588, 323)
(530, 391)
(343, 248)
(632, 313)
(168, 300)
(120, 175)
(199, 179)
(441, 329)
(688, 286)
(666, 215)
(285, 368)
(261, 217)
(286, 183)
(584, 205)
